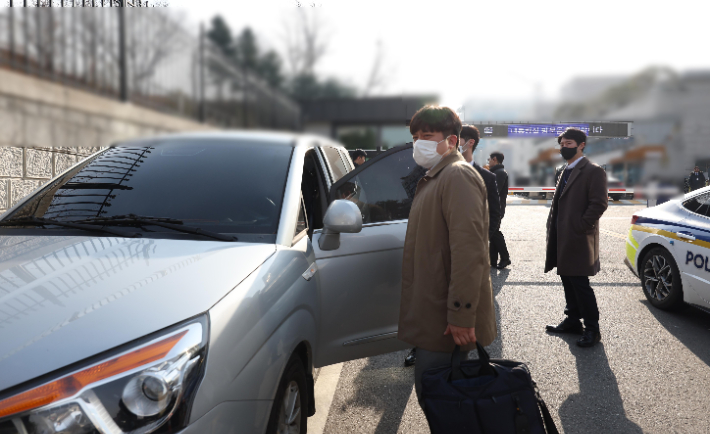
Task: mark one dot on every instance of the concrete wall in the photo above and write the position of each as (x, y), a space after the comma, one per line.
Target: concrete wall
(45, 128)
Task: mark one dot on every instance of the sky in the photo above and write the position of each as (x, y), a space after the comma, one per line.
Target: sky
(493, 50)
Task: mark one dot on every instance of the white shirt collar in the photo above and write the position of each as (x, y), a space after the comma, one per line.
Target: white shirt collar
(571, 166)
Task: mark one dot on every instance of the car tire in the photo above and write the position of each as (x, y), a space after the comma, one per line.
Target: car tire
(660, 279)
(289, 412)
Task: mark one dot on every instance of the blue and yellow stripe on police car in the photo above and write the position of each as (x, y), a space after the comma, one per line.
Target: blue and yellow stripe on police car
(667, 234)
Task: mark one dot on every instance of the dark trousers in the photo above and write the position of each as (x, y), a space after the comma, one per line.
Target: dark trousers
(498, 247)
(581, 302)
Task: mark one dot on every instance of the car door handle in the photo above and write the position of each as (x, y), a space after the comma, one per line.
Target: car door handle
(685, 236)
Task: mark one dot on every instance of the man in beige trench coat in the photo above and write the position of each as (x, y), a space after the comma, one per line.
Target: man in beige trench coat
(447, 298)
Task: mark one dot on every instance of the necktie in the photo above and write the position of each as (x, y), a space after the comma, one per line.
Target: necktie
(565, 177)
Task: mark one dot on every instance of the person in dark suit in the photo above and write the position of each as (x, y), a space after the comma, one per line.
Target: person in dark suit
(470, 137)
(498, 246)
(358, 156)
(697, 179)
(573, 236)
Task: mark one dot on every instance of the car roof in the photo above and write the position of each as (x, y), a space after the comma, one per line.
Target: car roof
(276, 137)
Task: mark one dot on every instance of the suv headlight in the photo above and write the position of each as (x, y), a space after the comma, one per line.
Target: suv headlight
(136, 391)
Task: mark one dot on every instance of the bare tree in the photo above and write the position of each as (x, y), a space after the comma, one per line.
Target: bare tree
(305, 40)
(376, 79)
(152, 39)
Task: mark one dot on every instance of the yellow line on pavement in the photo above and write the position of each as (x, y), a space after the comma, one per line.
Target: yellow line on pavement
(613, 234)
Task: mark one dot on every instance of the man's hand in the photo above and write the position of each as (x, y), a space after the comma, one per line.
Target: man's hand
(462, 335)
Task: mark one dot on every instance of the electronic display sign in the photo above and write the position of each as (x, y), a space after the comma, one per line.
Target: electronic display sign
(542, 130)
(552, 130)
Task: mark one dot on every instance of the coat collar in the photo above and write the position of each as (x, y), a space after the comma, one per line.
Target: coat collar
(575, 173)
(453, 157)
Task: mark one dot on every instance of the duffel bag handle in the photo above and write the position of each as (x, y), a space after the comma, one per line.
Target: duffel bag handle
(485, 368)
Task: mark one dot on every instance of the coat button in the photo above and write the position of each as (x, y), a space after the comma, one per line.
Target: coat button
(457, 304)
(468, 305)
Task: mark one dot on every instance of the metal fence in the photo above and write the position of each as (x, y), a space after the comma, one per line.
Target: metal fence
(142, 55)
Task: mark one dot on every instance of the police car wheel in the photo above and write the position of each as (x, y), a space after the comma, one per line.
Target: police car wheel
(661, 280)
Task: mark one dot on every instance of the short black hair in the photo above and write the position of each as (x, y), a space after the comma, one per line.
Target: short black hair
(469, 132)
(432, 119)
(357, 154)
(573, 133)
(498, 156)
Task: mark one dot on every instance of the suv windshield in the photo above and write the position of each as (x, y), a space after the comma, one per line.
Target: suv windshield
(219, 185)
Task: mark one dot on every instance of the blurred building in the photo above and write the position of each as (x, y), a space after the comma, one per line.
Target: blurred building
(670, 112)
(517, 152)
(582, 89)
(671, 128)
(365, 123)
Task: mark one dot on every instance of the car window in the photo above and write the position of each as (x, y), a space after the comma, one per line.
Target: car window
(385, 190)
(335, 162)
(220, 185)
(699, 204)
(346, 159)
(302, 221)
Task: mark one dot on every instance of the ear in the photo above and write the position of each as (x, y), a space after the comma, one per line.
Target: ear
(451, 140)
(582, 145)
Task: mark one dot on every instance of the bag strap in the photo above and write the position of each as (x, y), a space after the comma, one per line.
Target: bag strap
(550, 426)
(485, 368)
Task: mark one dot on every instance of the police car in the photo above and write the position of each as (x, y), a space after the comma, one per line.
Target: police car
(668, 248)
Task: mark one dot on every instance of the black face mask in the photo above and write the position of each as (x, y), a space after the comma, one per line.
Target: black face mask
(569, 153)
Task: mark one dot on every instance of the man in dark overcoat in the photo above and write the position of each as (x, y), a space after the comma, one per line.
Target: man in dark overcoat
(697, 179)
(470, 137)
(573, 236)
(498, 246)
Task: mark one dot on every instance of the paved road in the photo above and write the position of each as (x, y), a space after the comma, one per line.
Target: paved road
(650, 373)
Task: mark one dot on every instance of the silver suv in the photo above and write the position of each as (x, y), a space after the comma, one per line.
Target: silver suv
(192, 283)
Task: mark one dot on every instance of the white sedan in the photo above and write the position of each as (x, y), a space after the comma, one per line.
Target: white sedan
(668, 247)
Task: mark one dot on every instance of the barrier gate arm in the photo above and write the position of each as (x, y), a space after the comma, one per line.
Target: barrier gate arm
(512, 190)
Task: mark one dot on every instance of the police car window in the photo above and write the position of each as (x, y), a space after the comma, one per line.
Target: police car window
(699, 204)
(385, 190)
(335, 162)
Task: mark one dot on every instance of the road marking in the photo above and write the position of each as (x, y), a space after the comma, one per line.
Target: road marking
(613, 234)
(325, 388)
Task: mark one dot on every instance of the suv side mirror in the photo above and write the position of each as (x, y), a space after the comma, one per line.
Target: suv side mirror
(342, 216)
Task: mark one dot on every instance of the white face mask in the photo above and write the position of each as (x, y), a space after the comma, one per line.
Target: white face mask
(463, 148)
(425, 153)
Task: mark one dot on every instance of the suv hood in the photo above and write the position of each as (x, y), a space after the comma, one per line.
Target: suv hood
(63, 299)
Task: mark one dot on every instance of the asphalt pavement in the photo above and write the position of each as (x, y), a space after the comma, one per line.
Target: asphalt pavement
(649, 374)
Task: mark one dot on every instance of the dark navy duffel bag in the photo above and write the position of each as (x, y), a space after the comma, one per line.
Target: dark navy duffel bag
(484, 396)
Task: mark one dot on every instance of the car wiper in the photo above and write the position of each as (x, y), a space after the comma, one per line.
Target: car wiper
(163, 222)
(38, 221)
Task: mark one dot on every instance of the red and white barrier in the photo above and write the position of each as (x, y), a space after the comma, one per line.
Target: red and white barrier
(617, 190)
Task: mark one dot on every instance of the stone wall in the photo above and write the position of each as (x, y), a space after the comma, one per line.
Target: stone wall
(45, 128)
(22, 170)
